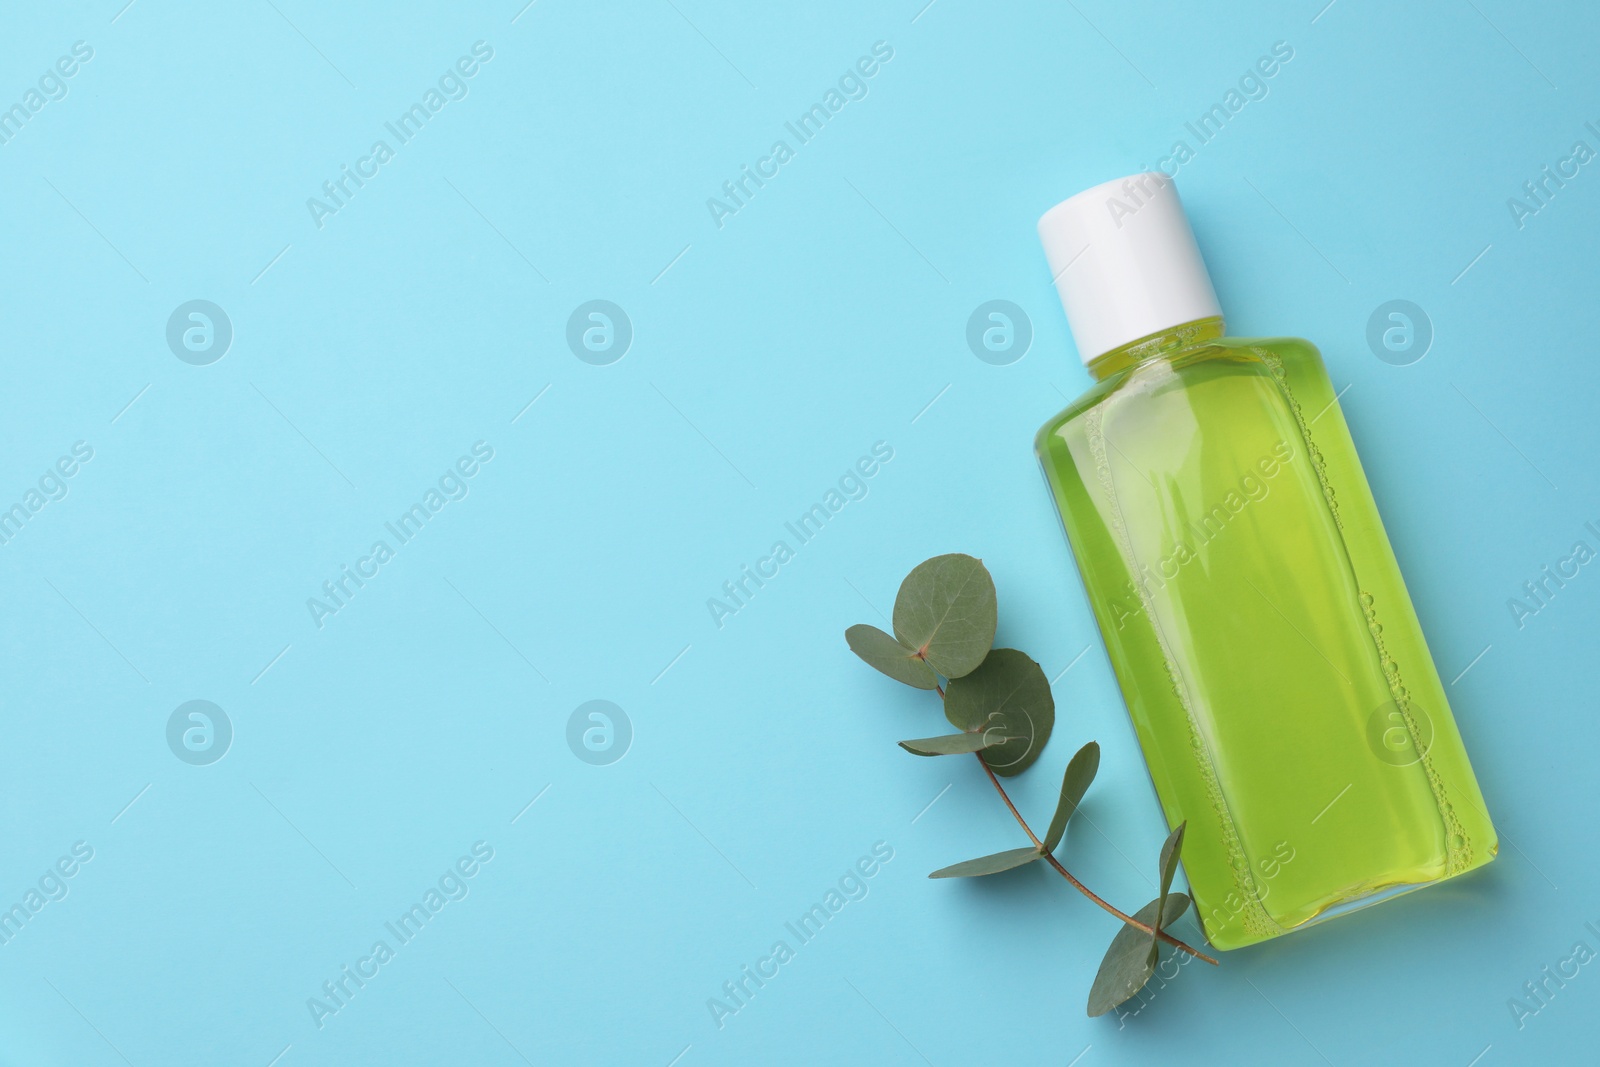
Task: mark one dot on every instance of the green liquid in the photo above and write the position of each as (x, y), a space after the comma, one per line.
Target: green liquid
(1269, 655)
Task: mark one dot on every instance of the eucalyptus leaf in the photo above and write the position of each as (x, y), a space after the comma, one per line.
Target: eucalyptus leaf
(1169, 866)
(1007, 697)
(946, 609)
(883, 652)
(1080, 772)
(1000, 861)
(1132, 957)
(946, 745)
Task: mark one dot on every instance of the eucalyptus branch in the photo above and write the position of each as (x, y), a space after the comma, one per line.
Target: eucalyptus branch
(1001, 704)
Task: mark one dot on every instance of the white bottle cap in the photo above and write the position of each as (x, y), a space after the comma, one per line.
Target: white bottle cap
(1125, 263)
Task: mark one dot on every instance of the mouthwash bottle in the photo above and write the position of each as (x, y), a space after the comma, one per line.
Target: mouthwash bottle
(1269, 655)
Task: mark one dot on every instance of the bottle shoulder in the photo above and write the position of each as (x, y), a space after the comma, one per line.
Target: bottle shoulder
(1243, 355)
(1278, 346)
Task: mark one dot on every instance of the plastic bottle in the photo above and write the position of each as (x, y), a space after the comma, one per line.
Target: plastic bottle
(1262, 636)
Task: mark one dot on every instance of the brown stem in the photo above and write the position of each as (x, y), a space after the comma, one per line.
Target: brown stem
(1079, 886)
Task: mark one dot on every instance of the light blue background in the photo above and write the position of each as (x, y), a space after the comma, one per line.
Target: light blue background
(768, 355)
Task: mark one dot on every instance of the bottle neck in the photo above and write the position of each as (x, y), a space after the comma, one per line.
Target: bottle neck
(1165, 343)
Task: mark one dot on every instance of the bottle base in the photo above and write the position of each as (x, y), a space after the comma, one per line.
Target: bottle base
(1344, 906)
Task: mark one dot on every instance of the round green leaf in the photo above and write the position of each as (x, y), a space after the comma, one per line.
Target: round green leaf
(1131, 959)
(1000, 861)
(1007, 697)
(883, 652)
(946, 609)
